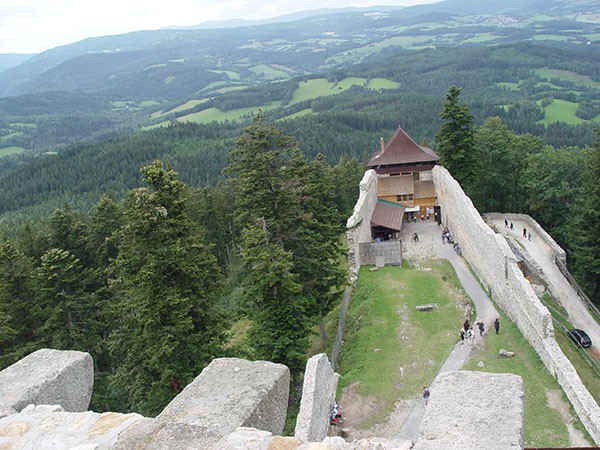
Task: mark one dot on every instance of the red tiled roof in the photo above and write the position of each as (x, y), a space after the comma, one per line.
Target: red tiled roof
(401, 149)
(387, 215)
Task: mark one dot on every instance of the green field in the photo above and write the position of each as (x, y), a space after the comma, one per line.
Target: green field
(11, 135)
(561, 111)
(216, 115)
(300, 113)
(234, 76)
(509, 86)
(551, 37)
(581, 80)
(5, 151)
(187, 105)
(320, 87)
(269, 72)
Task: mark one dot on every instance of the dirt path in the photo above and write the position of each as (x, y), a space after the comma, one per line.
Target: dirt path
(555, 400)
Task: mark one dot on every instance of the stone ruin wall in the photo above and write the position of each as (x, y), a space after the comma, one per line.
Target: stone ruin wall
(496, 265)
(318, 395)
(359, 223)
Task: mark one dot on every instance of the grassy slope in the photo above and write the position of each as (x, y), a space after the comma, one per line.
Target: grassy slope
(561, 110)
(390, 348)
(374, 352)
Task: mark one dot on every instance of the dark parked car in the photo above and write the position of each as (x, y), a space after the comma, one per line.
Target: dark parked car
(580, 337)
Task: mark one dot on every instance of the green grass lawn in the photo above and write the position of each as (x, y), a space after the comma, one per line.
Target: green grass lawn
(543, 425)
(269, 72)
(391, 349)
(382, 83)
(509, 86)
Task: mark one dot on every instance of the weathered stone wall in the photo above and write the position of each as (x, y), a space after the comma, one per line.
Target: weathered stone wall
(469, 410)
(496, 265)
(389, 252)
(359, 224)
(47, 376)
(318, 396)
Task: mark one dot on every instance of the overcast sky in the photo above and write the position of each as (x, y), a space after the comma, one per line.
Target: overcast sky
(32, 26)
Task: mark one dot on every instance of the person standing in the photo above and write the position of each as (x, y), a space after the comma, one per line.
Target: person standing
(497, 325)
(524, 232)
(481, 328)
(425, 394)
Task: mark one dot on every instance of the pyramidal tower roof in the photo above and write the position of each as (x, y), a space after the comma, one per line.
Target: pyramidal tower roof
(401, 149)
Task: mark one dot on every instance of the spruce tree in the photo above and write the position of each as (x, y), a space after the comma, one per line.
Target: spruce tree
(165, 280)
(286, 210)
(455, 141)
(17, 304)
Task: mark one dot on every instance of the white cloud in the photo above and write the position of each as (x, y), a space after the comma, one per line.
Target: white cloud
(31, 26)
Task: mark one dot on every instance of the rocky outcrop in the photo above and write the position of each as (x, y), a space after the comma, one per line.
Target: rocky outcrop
(47, 377)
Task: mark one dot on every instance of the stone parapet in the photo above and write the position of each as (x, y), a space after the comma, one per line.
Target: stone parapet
(532, 225)
(318, 396)
(469, 410)
(231, 393)
(48, 377)
(491, 258)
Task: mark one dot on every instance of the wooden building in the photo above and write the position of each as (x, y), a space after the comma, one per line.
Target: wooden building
(404, 180)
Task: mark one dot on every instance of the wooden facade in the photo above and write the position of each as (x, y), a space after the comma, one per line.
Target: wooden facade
(404, 175)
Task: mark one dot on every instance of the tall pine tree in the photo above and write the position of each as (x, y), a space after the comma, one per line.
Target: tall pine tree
(455, 141)
(290, 240)
(166, 281)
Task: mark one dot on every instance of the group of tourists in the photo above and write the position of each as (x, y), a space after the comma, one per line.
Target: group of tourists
(467, 332)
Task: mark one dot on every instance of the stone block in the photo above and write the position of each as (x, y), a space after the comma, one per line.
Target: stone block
(318, 396)
(473, 410)
(48, 377)
(232, 393)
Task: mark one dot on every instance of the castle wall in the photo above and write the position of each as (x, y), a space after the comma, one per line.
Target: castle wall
(318, 396)
(495, 264)
(359, 224)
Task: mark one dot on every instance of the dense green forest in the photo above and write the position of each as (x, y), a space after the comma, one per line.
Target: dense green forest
(152, 284)
(159, 250)
(158, 281)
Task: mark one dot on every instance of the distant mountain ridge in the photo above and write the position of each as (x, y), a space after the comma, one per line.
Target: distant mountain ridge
(176, 63)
